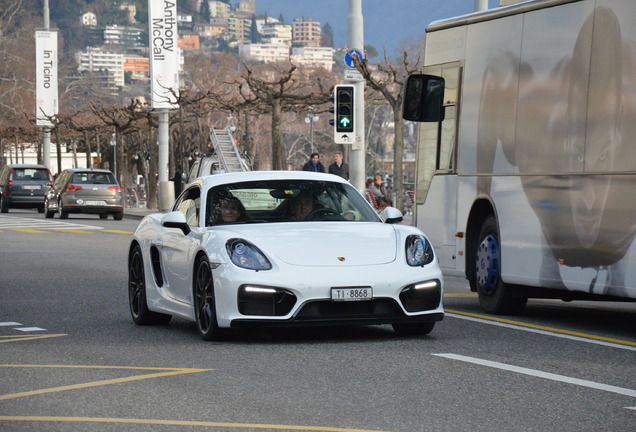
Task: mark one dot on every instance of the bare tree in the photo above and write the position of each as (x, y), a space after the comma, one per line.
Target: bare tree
(287, 91)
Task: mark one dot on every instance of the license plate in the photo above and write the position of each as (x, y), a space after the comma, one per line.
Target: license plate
(352, 294)
(95, 203)
(33, 187)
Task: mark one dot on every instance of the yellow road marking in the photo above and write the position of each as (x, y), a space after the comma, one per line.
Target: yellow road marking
(460, 295)
(181, 423)
(75, 231)
(26, 230)
(170, 372)
(117, 231)
(4, 339)
(540, 327)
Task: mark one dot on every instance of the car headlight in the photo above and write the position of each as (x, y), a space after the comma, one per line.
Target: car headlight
(418, 251)
(246, 255)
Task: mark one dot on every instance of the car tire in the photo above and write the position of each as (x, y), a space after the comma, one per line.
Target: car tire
(48, 213)
(118, 215)
(40, 209)
(139, 311)
(204, 301)
(63, 214)
(4, 208)
(416, 329)
(103, 215)
(495, 296)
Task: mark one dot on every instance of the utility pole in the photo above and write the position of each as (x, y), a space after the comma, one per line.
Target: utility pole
(46, 132)
(355, 41)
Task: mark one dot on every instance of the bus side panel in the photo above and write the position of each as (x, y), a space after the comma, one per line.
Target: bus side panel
(554, 100)
(438, 216)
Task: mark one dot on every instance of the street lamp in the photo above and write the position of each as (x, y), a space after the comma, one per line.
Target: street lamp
(311, 118)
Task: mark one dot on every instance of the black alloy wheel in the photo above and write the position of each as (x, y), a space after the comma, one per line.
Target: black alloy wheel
(139, 311)
(204, 303)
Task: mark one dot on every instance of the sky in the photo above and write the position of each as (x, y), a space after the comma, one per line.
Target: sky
(387, 23)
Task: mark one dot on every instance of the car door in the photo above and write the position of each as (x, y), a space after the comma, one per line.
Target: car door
(178, 249)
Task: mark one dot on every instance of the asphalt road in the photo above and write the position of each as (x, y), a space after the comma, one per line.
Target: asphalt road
(72, 359)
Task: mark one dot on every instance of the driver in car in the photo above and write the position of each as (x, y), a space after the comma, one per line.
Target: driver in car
(301, 206)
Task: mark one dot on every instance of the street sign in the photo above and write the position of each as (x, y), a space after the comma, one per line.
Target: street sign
(349, 59)
(353, 75)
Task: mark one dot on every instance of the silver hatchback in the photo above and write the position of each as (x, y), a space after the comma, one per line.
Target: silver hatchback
(92, 191)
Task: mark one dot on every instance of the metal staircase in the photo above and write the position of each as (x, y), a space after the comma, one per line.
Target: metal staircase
(229, 158)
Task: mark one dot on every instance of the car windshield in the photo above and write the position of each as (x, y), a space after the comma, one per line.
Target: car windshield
(30, 174)
(94, 177)
(286, 201)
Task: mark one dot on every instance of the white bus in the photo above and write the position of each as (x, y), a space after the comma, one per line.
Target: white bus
(526, 164)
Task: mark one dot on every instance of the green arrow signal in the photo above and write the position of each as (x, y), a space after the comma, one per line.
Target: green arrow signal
(344, 121)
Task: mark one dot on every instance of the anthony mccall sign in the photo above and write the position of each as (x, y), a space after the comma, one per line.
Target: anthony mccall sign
(164, 52)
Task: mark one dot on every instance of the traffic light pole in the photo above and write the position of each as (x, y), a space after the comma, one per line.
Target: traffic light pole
(355, 40)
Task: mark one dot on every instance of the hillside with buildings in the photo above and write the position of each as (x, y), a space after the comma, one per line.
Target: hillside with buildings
(110, 44)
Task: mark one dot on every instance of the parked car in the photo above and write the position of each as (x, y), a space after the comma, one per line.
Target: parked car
(81, 190)
(23, 186)
(281, 248)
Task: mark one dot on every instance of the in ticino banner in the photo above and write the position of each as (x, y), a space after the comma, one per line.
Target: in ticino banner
(164, 53)
(46, 76)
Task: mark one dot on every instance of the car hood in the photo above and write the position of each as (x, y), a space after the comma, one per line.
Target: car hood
(323, 243)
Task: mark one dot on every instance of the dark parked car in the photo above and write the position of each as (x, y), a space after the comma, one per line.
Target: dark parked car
(82, 190)
(23, 186)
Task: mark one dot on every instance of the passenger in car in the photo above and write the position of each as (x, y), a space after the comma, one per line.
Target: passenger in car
(229, 210)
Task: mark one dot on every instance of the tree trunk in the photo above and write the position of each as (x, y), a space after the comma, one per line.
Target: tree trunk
(398, 158)
(89, 162)
(278, 154)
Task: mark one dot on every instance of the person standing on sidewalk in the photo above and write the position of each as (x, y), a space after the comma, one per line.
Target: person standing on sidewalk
(314, 164)
(338, 167)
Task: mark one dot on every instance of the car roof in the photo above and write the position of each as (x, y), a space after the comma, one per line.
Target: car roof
(100, 170)
(243, 176)
(26, 166)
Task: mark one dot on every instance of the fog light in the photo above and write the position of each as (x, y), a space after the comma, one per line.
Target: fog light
(422, 296)
(255, 300)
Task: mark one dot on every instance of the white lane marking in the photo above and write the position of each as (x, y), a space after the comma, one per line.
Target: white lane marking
(12, 222)
(7, 324)
(29, 329)
(543, 332)
(541, 374)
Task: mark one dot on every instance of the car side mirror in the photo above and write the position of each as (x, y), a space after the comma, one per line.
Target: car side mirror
(176, 219)
(391, 215)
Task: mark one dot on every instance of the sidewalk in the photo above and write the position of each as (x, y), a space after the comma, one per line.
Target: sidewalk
(138, 213)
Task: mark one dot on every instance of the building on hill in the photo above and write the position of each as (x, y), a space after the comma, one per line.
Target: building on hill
(313, 57)
(264, 52)
(305, 33)
(96, 60)
(88, 19)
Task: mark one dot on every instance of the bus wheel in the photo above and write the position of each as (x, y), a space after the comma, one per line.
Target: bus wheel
(495, 296)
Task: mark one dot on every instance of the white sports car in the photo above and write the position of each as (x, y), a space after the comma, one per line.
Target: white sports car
(281, 248)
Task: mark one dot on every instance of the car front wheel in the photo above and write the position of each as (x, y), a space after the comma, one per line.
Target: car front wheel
(204, 302)
(139, 311)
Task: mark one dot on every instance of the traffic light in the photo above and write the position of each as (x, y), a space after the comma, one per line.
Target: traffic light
(344, 101)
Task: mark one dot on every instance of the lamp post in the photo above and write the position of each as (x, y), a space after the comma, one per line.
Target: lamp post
(311, 118)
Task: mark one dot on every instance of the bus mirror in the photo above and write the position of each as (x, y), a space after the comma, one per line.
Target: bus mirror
(423, 98)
